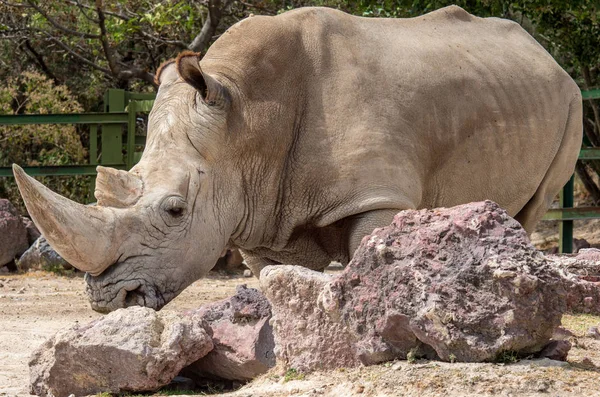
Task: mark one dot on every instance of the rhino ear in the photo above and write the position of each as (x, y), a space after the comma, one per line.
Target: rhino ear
(188, 66)
(166, 73)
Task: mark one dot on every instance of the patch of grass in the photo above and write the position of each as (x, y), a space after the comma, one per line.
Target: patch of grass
(104, 394)
(579, 323)
(507, 357)
(292, 374)
(411, 356)
(60, 271)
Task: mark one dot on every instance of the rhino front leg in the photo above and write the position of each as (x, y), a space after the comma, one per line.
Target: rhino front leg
(256, 263)
(363, 224)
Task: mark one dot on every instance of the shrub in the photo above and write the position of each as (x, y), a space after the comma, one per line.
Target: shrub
(37, 145)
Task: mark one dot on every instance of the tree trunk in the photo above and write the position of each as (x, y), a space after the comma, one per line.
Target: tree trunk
(588, 182)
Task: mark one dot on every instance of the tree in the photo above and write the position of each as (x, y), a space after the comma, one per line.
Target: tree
(37, 145)
(117, 44)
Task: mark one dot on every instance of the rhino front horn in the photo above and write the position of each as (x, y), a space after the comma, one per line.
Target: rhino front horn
(84, 236)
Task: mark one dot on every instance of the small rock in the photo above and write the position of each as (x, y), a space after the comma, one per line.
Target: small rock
(247, 273)
(542, 386)
(562, 333)
(242, 336)
(556, 350)
(21, 291)
(133, 349)
(593, 332)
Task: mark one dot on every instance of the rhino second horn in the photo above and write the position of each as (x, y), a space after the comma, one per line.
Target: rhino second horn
(116, 188)
(82, 235)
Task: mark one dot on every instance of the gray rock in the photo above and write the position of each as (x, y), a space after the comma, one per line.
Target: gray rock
(462, 283)
(133, 349)
(556, 350)
(13, 235)
(41, 256)
(32, 231)
(593, 332)
(242, 336)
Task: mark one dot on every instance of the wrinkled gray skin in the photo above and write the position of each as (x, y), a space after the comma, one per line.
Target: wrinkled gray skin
(296, 135)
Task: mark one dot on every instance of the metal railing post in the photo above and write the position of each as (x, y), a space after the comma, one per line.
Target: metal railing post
(93, 159)
(112, 135)
(132, 109)
(565, 231)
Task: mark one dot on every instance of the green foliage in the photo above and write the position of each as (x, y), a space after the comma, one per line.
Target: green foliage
(507, 357)
(292, 374)
(412, 356)
(37, 145)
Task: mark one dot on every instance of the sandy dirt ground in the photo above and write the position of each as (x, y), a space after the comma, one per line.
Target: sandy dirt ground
(34, 306)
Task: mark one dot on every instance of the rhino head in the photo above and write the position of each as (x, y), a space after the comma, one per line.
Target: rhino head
(162, 225)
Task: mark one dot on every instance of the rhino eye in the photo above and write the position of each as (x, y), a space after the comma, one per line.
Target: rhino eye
(175, 212)
(174, 206)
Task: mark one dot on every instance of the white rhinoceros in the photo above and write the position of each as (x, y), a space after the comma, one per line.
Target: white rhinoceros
(298, 134)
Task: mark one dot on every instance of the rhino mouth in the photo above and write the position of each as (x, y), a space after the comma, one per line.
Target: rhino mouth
(121, 286)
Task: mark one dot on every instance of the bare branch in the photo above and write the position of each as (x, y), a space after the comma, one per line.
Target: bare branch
(215, 10)
(27, 48)
(81, 58)
(264, 10)
(136, 73)
(82, 8)
(113, 14)
(59, 26)
(104, 40)
(177, 43)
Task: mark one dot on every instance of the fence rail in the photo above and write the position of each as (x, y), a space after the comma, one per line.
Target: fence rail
(121, 109)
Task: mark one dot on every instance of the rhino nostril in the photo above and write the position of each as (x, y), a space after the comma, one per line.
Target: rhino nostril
(135, 297)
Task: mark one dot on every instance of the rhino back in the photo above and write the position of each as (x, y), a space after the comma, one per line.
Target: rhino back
(359, 114)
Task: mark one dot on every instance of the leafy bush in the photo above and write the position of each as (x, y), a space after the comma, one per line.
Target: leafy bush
(37, 145)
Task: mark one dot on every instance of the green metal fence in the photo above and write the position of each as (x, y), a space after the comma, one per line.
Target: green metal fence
(121, 110)
(566, 214)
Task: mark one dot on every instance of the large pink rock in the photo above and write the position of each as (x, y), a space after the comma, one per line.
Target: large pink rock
(13, 234)
(461, 283)
(133, 349)
(581, 272)
(242, 337)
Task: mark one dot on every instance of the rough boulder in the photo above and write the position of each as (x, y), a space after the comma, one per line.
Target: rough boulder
(41, 256)
(461, 283)
(13, 234)
(581, 273)
(242, 337)
(134, 349)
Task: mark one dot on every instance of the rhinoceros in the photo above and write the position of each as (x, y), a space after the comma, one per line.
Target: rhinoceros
(298, 134)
